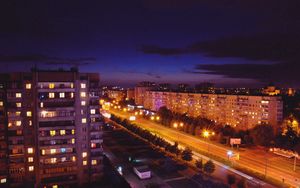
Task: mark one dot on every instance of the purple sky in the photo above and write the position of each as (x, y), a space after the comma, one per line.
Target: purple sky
(230, 43)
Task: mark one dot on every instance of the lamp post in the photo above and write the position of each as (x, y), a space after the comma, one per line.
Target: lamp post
(206, 134)
(176, 126)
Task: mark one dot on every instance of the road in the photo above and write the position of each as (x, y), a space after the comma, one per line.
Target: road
(259, 161)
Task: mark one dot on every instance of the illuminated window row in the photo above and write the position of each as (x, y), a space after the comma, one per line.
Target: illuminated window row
(57, 132)
(54, 160)
(56, 151)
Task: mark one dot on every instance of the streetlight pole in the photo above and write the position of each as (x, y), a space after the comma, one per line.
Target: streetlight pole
(295, 161)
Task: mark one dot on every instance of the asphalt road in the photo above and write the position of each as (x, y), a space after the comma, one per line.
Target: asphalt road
(260, 161)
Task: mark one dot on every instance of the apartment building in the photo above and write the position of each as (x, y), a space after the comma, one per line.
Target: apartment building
(117, 94)
(50, 128)
(140, 91)
(240, 111)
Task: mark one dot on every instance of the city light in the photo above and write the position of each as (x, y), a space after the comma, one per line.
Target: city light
(175, 125)
(229, 153)
(132, 118)
(205, 134)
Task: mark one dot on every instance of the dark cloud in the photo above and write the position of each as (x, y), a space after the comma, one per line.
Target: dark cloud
(47, 60)
(274, 56)
(286, 74)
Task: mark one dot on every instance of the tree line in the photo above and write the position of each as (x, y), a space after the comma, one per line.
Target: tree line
(262, 134)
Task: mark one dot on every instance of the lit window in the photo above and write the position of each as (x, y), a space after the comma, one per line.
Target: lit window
(28, 113)
(93, 145)
(84, 163)
(73, 131)
(1, 103)
(61, 95)
(94, 162)
(73, 158)
(83, 120)
(3, 180)
(31, 168)
(63, 159)
(18, 113)
(18, 123)
(73, 141)
(53, 160)
(82, 94)
(63, 150)
(93, 111)
(41, 104)
(51, 85)
(43, 152)
(54, 186)
(52, 151)
(30, 159)
(52, 132)
(84, 154)
(72, 95)
(83, 103)
(18, 95)
(28, 86)
(62, 132)
(9, 124)
(29, 150)
(51, 95)
(30, 123)
(83, 86)
(72, 85)
(18, 105)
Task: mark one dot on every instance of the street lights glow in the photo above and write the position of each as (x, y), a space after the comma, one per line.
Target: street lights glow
(181, 124)
(152, 117)
(175, 125)
(206, 134)
(157, 118)
(229, 153)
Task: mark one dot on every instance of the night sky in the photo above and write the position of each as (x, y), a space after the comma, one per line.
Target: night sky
(228, 42)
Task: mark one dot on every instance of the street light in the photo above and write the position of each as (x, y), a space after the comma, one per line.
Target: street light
(206, 134)
(175, 125)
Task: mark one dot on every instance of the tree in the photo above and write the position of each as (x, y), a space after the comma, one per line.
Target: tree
(199, 164)
(209, 167)
(187, 154)
(241, 183)
(230, 179)
(262, 135)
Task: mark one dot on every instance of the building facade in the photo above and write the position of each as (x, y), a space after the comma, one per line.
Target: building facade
(50, 129)
(240, 111)
(118, 95)
(140, 91)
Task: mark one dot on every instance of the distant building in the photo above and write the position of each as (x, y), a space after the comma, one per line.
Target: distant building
(240, 111)
(183, 87)
(117, 94)
(205, 87)
(50, 129)
(130, 93)
(140, 91)
(164, 87)
(271, 90)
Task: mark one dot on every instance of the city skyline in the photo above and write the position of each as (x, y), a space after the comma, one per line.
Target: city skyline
(249, 43)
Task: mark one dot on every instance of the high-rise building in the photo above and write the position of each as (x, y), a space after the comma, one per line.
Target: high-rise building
(50, 129)
(240, 111)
